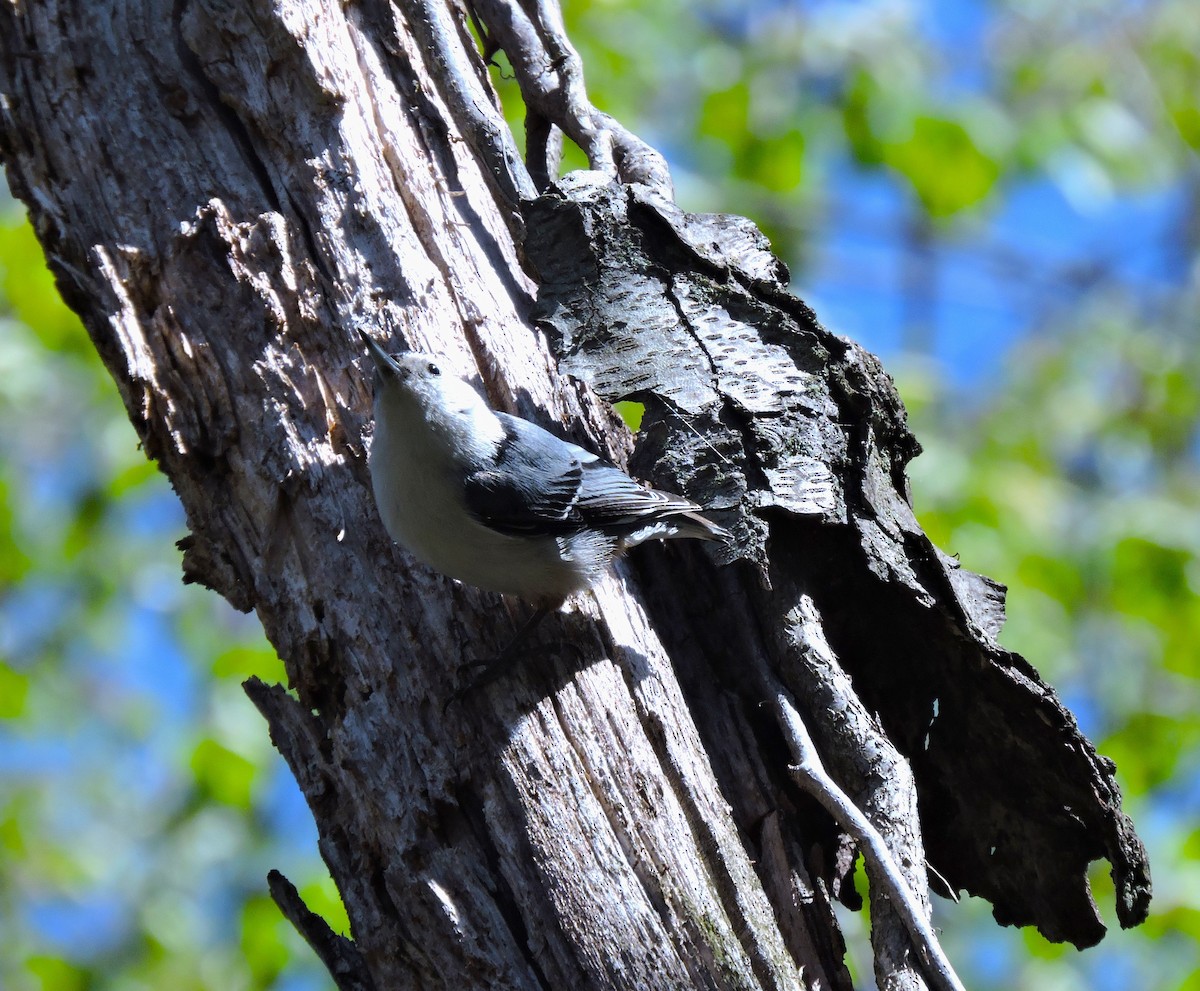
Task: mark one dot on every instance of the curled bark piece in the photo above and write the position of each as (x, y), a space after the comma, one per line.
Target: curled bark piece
(752, 405)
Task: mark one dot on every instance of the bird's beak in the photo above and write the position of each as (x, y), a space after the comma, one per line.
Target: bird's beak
(383, 360)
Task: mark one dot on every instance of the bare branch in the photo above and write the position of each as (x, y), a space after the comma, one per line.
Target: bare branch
(867, 766)
(811, 774)
(550, 75)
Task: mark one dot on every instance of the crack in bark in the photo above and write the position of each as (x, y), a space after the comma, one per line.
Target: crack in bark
(190, 61)
(505, 898)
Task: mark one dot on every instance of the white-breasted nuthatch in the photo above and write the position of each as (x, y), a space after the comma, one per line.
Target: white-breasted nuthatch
(498, 502)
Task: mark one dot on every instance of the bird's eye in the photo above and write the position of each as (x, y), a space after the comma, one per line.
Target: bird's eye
(433, 369)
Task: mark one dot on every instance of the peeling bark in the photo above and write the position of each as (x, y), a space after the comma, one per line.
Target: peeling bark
(751, 402)
(225, 193)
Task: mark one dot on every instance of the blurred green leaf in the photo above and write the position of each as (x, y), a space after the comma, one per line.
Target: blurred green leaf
(242, 660)
(947, 170)
(856, 118)
(14, 562)
(14, 689)
(223, 774)
(262, 941)
(776, 164)
(132, 477)
(631, 413)
(56, 974)
(323, 898)
(29, 288)
(12, 838)
(1187, 121)
(725, 114)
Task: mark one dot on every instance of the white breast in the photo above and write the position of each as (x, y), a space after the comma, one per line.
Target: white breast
(419, 495)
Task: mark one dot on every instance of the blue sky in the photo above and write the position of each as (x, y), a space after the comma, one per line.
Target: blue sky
(998, 279)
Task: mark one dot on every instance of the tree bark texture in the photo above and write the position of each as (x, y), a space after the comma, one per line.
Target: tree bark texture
(226, 192)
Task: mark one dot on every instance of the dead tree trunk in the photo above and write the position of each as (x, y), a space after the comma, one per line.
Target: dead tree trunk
(225, 192)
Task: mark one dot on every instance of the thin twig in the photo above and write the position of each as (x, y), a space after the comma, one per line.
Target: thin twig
(811, 774)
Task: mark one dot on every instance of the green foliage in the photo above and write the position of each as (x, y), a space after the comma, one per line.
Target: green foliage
(239, 661)
(29, 291)
(264, 939)
(947, 170)
(945, 167)
(56, 974)
(321, 895)
(631, 413)
(1077, 484)
(768, 154)
(223, 775)
(14, 689)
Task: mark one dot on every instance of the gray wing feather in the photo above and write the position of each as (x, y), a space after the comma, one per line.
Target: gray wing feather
(608, 495)
(540, 484)
(532, 485)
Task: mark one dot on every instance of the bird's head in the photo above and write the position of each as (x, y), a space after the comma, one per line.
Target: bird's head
(417, 386)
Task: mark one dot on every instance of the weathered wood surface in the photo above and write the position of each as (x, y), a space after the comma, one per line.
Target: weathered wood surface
(226, 191)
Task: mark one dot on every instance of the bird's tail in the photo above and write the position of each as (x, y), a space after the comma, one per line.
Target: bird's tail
(701, 527)
(671, 525)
